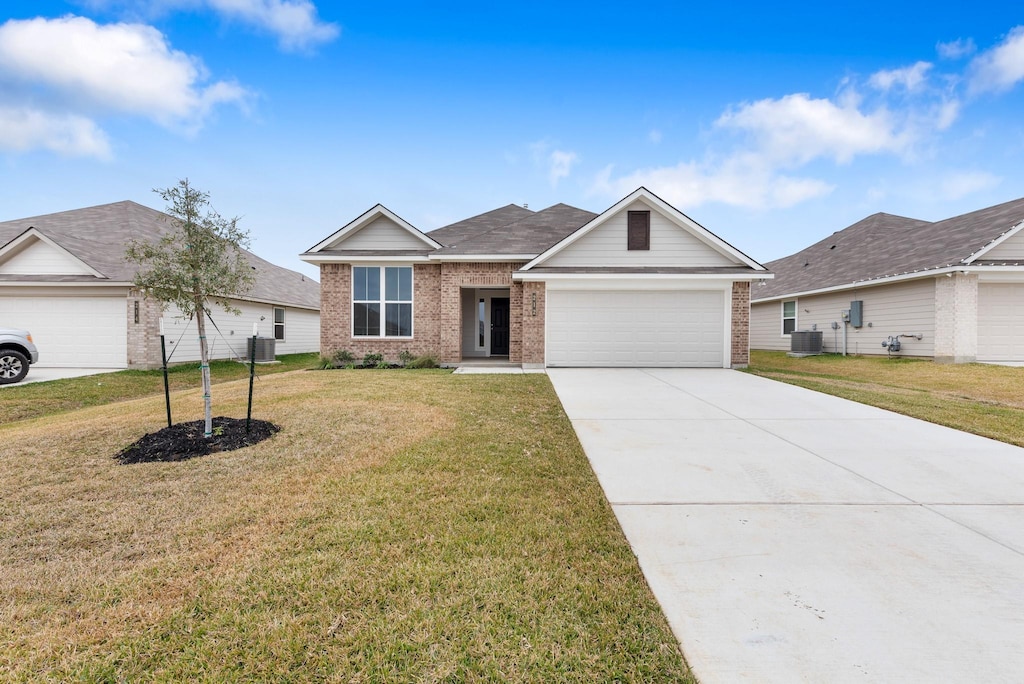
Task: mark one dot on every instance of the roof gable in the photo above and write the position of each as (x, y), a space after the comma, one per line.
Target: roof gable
(377, 229)
(883, 246)
(676, 241)
(32, 253)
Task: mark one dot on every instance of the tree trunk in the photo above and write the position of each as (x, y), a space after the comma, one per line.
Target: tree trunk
(204, 368)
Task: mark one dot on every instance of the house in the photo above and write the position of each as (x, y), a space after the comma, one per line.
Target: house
(640, 284)
(954, 287)
(63, 277)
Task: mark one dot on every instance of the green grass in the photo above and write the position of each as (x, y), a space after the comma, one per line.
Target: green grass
(39, 399)
(403, 526)
(983, 399)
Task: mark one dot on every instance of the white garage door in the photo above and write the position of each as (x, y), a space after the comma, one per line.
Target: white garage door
(645, 329)
(83, 332)
(1001, 322)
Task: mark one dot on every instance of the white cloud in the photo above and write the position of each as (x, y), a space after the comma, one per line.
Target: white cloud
(23, 129)
(83, 69)
(1001, 67)
(911, 78)
(955, 49)
(560, 164)
(796, 129)
(958, 185)
(742, 181)
(295, 23)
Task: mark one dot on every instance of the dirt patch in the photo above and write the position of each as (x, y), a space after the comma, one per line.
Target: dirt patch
(185, 440)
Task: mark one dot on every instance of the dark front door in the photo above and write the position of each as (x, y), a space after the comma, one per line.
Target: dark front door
(499, 326)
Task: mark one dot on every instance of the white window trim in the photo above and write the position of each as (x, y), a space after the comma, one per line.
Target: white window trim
(784, 317)
(274, 323)
(382, 301)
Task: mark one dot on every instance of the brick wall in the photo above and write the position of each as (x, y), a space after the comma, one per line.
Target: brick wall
(533, 323)
(336, 315)
(144, 336)
(740, 324)
(956, 318)
(457, 275)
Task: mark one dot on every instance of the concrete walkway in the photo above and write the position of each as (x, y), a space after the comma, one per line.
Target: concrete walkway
(791, 536)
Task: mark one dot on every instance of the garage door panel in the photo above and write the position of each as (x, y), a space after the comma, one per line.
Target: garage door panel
(636, 328)
(84, 332)
(1001, 322)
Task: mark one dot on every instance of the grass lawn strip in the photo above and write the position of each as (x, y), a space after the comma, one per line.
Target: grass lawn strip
(403, 526)
(39, 399)
(982, 399)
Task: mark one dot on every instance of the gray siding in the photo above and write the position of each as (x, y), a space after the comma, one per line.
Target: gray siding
(888, 310)
(1013, 248)
(381, 233)
(670, 245)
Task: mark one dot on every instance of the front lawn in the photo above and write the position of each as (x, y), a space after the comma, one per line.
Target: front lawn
(984, 399)
(32, 400)
(402, 526)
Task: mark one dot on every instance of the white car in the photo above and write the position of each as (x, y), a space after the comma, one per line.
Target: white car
(17, 353)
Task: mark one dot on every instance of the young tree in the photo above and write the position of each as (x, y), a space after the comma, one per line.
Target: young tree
(199, 260)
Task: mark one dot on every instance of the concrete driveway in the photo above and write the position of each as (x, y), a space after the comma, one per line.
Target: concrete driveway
(36, 374)
(791, 536)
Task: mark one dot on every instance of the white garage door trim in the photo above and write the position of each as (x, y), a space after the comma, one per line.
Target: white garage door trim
(637, 328)
(1001, 322)
(73, 332)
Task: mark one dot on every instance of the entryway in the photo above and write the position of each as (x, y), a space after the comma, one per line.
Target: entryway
(486, 316)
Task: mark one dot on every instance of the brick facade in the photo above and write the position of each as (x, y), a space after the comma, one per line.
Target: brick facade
(956, 318)
(143, 341)
(533, 316)
(740, 346)
(458, 275)
(336, 315)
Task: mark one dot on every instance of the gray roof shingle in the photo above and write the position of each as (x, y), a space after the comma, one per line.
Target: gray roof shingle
(884, 245)
(99, 235)
(511, 232)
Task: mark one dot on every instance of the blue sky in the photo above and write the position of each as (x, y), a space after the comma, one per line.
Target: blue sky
(772, 124)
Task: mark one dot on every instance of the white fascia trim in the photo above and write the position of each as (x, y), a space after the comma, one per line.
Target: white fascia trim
(482, 257)
(368, 217)
(530, 277)
(32, 232)
(278, 304)
(995, 243)
(78, 283)
(930, 273)
(670, 212)
(314, 259)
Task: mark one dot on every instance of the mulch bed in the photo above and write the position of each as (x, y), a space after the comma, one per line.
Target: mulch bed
(185, 440)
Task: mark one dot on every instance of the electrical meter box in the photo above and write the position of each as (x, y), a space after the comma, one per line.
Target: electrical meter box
(857, 313)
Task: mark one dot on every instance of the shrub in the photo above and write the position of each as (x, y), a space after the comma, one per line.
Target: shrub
(373, 360)
(406, 357)
(343, 357)
(425, 361)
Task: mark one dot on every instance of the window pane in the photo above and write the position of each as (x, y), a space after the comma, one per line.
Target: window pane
(366, 319)
(365, 283)
(480, 321)
(398, 286)
(398, 320)
(789, 309)
(278, 331)
(278, 315)
(788, 325)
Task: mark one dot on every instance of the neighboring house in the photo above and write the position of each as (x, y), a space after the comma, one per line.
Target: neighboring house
(638, 285)
(959, 283)
(64, 278)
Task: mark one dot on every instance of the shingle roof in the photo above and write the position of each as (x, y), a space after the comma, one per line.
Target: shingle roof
(883, 245)
(98, 236)
(511, 230)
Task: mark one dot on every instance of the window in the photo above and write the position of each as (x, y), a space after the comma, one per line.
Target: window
(788, 317)
(278, 323)
(377, 290)
(481, 340)
(638, 230)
